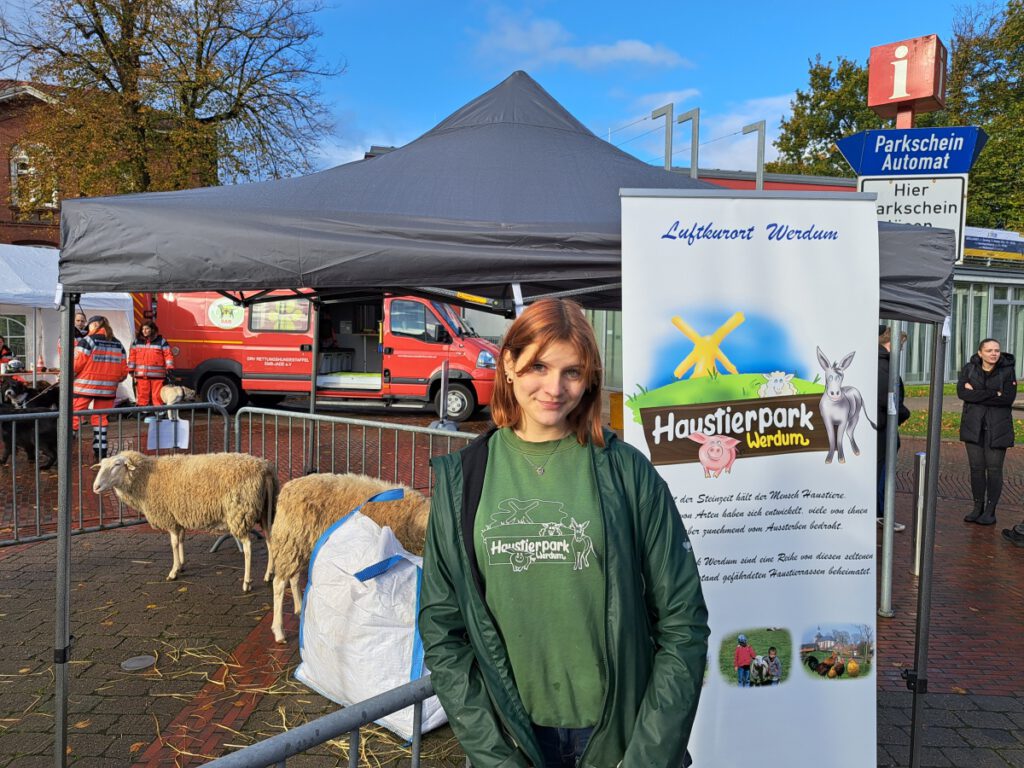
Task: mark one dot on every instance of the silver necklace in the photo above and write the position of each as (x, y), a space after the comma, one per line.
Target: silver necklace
(539, 468)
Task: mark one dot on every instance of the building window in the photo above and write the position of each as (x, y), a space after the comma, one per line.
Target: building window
(25, 188)
(12, 328)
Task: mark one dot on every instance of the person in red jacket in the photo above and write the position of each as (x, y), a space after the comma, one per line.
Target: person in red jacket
(149, 362)
(100, 365)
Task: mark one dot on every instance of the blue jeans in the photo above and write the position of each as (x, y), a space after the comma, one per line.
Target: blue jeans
(743, 677)
(561, 747)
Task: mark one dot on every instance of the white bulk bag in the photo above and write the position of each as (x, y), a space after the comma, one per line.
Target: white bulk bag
(358, 635)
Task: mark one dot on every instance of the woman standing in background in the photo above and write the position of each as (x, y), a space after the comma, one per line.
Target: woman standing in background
(988, 387)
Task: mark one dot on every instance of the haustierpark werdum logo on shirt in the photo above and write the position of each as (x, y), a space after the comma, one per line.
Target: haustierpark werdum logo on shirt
(527, 532)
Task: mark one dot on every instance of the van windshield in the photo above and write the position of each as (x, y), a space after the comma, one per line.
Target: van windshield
(456, 321)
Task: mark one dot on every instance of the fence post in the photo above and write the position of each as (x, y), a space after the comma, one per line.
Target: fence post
(920, 466)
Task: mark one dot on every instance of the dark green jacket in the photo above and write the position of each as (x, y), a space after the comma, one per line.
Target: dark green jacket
(657, 630)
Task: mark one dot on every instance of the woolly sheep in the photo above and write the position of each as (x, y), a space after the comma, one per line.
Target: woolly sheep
(213, 491)
(307, 506)
(777, 384)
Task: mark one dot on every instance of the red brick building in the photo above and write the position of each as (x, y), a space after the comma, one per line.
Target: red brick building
(17, 227)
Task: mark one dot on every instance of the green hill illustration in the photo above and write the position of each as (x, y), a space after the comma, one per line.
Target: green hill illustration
(713, 389)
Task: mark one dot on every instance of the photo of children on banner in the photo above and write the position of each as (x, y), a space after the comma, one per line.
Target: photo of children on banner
(838, 652)
(739, 659)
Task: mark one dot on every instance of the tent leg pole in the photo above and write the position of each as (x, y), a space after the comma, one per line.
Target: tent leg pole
(889, 500)
(314, 308)
(917, 678)
(62, 613)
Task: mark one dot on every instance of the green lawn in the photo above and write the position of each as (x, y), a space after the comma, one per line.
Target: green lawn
(922, 390)
(917, 426)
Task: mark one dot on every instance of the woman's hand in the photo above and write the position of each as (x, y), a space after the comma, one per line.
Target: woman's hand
(967, 385)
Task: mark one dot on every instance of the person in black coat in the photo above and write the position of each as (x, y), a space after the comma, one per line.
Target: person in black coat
(903, 413)
(988, 386)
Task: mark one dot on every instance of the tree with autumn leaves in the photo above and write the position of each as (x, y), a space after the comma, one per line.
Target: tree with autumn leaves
(147, 95)
(985, 88)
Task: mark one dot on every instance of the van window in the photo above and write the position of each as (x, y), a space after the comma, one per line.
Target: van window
(286, 316)
(410, 318)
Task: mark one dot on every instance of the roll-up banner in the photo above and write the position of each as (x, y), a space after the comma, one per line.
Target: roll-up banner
(750, 340)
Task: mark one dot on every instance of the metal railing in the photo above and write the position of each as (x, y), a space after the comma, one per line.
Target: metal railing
(277, 749)
(302, 443)
(28, 500)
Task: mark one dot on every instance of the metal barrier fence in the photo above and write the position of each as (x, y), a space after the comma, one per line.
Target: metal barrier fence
(28, 500)
(302, 443)
(277, 749)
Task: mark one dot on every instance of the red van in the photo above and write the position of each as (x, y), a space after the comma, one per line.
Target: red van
(372, 351)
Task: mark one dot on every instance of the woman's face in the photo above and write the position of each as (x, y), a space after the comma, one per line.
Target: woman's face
(547, 391)
(990, 352)
(147, 331)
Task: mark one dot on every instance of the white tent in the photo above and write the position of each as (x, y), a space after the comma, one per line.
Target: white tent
(28, 289)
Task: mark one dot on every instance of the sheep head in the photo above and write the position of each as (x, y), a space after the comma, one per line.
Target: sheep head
(115, 471)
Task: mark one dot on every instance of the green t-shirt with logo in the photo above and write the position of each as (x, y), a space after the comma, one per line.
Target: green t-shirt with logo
(539, 542)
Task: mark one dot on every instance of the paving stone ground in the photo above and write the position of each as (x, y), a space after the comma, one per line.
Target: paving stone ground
(220, 682)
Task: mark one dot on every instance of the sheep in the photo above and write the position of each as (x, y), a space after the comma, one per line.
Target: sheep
(307, 506)
(777, 384)
(213, 491)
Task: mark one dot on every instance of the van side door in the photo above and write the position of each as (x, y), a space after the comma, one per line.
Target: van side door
(416, 342)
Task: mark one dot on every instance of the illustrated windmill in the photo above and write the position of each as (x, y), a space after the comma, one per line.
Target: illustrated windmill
(707, 352)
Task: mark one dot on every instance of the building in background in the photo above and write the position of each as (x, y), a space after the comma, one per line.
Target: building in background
(19, 226)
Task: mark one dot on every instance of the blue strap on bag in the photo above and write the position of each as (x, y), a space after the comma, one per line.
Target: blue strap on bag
(392, 494)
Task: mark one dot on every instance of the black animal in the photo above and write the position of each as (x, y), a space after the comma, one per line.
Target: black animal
(24, 436)
(812, 663)
(22, 395)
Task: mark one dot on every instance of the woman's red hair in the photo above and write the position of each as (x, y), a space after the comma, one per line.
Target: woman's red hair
(544, 323)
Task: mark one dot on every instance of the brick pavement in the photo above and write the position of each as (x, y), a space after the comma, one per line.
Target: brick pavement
(220, 682)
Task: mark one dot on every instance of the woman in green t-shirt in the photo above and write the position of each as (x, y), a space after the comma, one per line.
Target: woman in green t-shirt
(561, 611)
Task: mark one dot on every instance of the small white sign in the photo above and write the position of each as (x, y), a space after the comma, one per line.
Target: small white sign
(928, 201)
(167, 435)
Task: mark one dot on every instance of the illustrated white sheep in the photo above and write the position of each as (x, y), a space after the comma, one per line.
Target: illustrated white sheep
(212, 491)
(778, 384)
(307, 506)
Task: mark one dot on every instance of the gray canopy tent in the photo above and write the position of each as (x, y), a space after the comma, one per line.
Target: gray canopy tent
(509, 198)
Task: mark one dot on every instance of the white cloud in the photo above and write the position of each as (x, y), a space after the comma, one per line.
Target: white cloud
(531, 43)
(655, 100)
(739, 152)
(351, 140)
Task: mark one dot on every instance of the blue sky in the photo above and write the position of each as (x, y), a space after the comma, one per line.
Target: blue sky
(410, 64)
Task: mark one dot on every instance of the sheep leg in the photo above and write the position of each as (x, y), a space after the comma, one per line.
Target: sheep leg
(247, 552)
(176, 550)
(296, 595)
(270, 564)
(277, 625)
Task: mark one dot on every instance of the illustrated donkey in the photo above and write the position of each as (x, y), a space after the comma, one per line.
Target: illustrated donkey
(841, 407)
(582, 545)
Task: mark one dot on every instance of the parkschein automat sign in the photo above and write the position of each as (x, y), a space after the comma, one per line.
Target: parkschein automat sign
(913, 151)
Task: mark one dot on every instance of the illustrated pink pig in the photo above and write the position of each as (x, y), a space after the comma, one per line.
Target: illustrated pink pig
(717, 452)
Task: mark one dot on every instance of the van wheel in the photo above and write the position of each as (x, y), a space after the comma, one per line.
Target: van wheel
(461, 402)
(223, 391)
